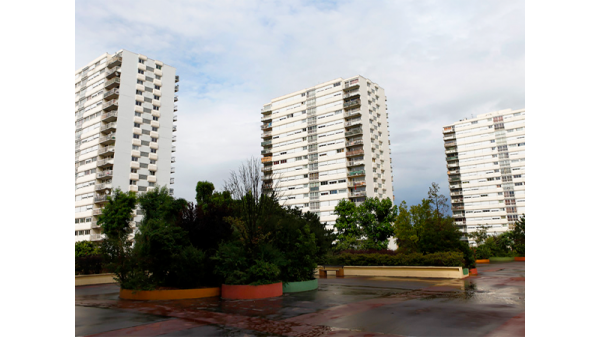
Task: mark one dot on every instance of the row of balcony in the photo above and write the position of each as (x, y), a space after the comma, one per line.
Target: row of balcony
(104, 174)
(353, 132)
(110, 138)
(353, 112)
(347, 124)
(108, 116)
(351, 103)
(354, 142)
(109, 127)
(111, 94)
(355, 163)
(355, 153)
(110, 105)
(115, 82)
(266, 159)
(356, 173)
(105, 150)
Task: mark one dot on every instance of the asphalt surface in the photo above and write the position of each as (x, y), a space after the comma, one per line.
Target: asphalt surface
(491, 304)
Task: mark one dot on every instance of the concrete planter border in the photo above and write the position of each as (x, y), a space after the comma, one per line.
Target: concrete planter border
(405, 271)
(482, 261)
(501, 259)
(84, 280)
(161, 295)
(520, 258)
(296, 287)
(248, 292)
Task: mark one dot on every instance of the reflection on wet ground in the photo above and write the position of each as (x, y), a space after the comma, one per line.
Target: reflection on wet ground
(492, 303)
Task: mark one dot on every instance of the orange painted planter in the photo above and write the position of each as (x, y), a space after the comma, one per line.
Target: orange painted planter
(473, 272)
(157, 295)
(522, 259)
(482, 261)
(244, 292)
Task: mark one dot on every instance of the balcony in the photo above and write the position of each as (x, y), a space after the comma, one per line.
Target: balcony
(355, 163)
(267, 151)
(97, 211)
(352, 184)
(268, 177)
(104, 174)
(114, 72)
(174, 139)
(96, 237)
(352, 103)
(448, 129)
(172, 159)
(109, 139)
(112, 94)
(348, 124)
(267, 186)
(452, 180)
(100, 198)
(354, 142)
(266, 134)
(352, 93)
(458, 208)
(451, 143)
(172, 148)
(355, 153)
(176, 98)
(172, 181)
(105, 162)
(174, 128)
(114, 61)
(452, 136)
(115, 82)
(353, 112)
(266, 126)
(266, 169)
(357, 131)
(266, 109)
(110, 127)
(95, 224)
(102, 187)
(174, 118)
(177, 88)
(452, 165)
(266, 159)
(106, 150)
(176, 78)
(175, 108)
(358, 194)
(352, 84)
(456, 193)
(266, 118)
(450, 158)
(356, 173)
(267, 142)
(109, 117)
(453, 150)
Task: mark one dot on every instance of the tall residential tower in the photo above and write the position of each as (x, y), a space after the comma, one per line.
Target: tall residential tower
(486, 169)
(327, 143)
(124, 132)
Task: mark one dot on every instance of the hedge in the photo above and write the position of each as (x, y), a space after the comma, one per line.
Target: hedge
(446, 259)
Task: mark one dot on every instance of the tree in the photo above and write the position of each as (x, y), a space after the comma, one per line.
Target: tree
(347, 231)
(204, 190)
(248, 178)
(439, 202)
(117, 214)
(480, 235)
(158, 204)
(410, 224)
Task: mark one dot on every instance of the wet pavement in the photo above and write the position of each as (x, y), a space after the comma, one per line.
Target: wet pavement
(491, 304)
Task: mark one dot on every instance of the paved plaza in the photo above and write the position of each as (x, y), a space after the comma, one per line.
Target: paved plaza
(490, 304)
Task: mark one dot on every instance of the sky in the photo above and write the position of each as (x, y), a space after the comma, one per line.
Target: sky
(438, 61)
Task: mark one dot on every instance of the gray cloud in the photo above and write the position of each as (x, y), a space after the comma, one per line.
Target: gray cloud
(439, 61)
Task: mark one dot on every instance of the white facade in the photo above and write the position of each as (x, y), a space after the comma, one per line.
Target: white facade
(327, 143)
(486, 170)
(124, 132)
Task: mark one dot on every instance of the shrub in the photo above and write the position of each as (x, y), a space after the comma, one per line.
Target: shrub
(448, 259)
(89, 264)
(483, 252)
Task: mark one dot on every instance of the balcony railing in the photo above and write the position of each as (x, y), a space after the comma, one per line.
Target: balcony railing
(452, 165)
(107, 139)
(111, 94)
(351, 84)
(112, 73)
(356, 162)
(114, 61)
(358, 194)
(352, 112)
(356, 173)
(266, 159)
(109, 126)
(97, 211)
(347, 124)
(104, 174)
(266, 134)
(176, 98)
(101, 187)
(103, 162)
(267, 151)
(173, 148)
(176, 78)
(109, 116)
(172, 159)
(447, 144)
(353, 132)
(454, 150)
(356, 184)
(267, 142)
(355, 153)
(351, 93)
(451, 158)
(266, 126)
(266, 118)
(268, 177)
(452, 136)
(174, 128)
(101, 198)
(351, 103)
(115, 82)
(174, 118)
(106, 150)
(177, 88)
(174, 139)
(175, 108)
(448, 129)
(267, 186)
(456, 193)
(354, 142)
(266, 169)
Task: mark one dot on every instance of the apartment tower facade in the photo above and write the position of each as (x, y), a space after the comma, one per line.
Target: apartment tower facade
(125, 107)
(327, 143)
(485, 157)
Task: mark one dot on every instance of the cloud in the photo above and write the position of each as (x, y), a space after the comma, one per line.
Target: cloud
(439, 61)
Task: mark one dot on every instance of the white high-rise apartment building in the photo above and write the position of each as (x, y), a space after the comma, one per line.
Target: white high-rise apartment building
(124, 132)
(486, 170)
(327, 143)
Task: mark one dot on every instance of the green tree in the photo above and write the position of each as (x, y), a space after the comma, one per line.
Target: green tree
(347, 231)
(375, 217)
(158, 204)
(517, 236)
(204, 191)
(85, 248)
(410, 225)
(117, 214)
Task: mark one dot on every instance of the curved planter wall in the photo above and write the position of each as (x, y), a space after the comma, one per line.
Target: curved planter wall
(244, 292)
(472, 271)
(295, 287)
(501, 259)
(482, 261)
(522, 259)
(154, 295)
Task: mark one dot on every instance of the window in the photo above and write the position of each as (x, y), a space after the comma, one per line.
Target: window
(136, 125)
(138, 92)
(135, 147)
(152, 161)
(140, 82)
(141, 61)
(153, 150)
(154, 139)
(157, 87)
(132, 182)
(158, 67)
(140, 71)
(151, 184)
(157, 77)
(154, 129)
(133, 170)
(154, 118)
(152, 173)
(156, 97)
(136, 136)
(154, 107)
(137, 114)
(138, 103)
(134, 158)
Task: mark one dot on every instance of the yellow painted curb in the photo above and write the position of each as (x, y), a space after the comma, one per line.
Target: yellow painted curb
(157, 295)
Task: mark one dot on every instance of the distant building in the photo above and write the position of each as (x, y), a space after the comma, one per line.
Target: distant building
(485, 157)
(327, 143)
(124, 132)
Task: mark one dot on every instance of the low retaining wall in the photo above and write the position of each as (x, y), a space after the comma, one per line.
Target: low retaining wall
(84, 280)
(179, 294)
(248, 292)
(295, 287)
(502, 259)
(404, 271)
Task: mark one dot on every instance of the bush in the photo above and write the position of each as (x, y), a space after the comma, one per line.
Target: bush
(88, 264)
(483, 252)
(447, 259)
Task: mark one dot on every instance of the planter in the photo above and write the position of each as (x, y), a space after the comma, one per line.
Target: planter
(473, 272)
(501, 259)
(465, 272)
(519, 258)
(246, 292)
(157, 295)
(84, 280)
(405, 271)
(296, 287)
(482, 261)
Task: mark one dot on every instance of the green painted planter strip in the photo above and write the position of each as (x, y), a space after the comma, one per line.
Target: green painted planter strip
(465, 271)
(294, 287)
(501, 259)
